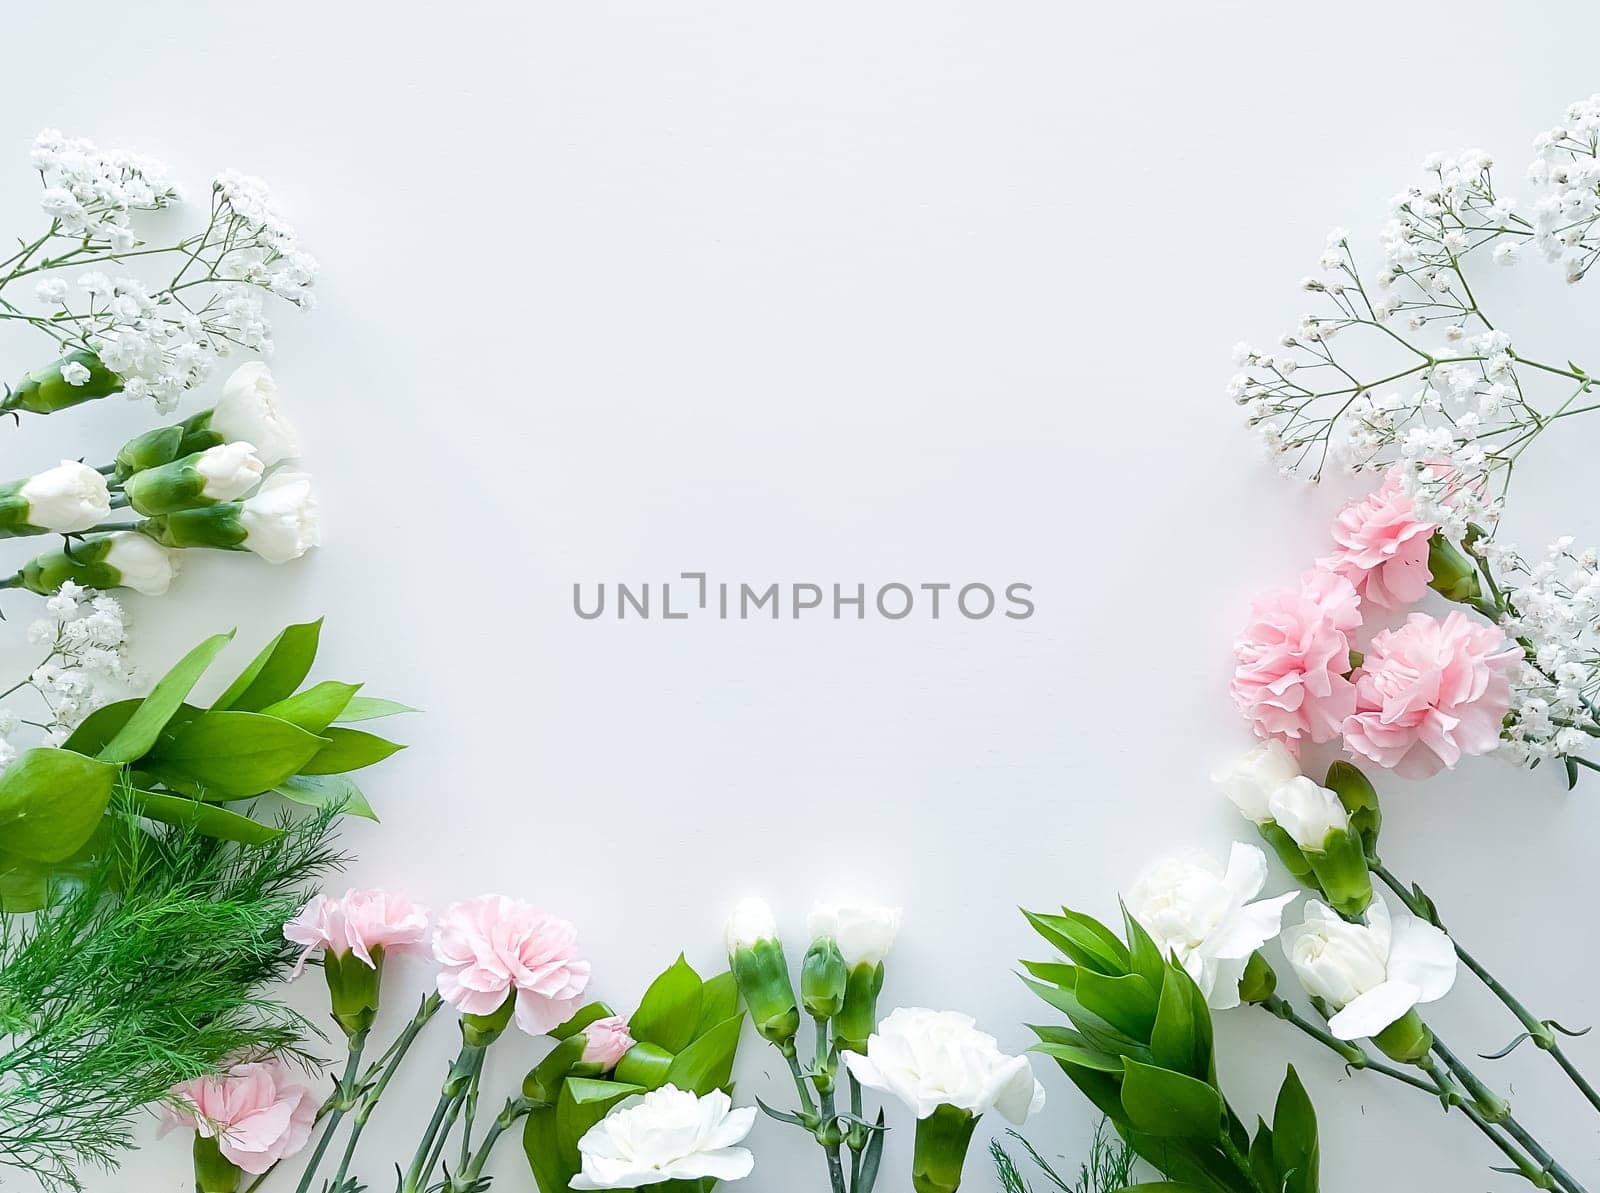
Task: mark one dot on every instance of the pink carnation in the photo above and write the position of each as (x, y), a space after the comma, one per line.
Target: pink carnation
(358, 923)
(1383, 546)
(1430, 692)
(493, 945)
(256, 1112)
(606, 1041)
(1294, 655)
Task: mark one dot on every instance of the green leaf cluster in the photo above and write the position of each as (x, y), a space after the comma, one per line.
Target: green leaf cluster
(686, 1033)
(182, 764)
(1140, 1047)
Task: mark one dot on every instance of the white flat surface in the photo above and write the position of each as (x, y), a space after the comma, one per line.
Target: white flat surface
(834, 292)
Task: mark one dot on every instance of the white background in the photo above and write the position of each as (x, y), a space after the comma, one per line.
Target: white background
(833, 292)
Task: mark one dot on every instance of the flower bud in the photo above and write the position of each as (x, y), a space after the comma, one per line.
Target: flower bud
(1454, 576)
(1259, 982)
(217, 474)
(1308, 813)
(1250, 780)
(76, 377)
(606, 1041)
(122, 560)
(249, 410)
(940, 1149)
(1316, 821)
(66, 499)
(279, 523)
(755, 954)
(822, 979)
(1360, 800)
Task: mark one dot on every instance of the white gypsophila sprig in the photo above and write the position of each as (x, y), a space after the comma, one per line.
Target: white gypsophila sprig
(158, 315)
(1552, 608)
(85, 635)
(1567, 173)
(1408, 368)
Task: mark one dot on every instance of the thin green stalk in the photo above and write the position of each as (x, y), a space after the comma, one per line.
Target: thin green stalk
(343, 1099)
(515, 1110)
(854, 1137)
(1352, 1054)
(390, 1061)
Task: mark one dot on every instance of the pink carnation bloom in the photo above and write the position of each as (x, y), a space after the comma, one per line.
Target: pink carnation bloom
(358, 923)
(1430, 692)
(493, 945)
(256, 1112)
(1294, 655)
(1382, 546)
(606, 1041)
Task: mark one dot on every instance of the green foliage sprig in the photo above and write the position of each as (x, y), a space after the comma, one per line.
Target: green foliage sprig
(179, 764)
(1109, 1167)
(1141, 1049)
(148, 972)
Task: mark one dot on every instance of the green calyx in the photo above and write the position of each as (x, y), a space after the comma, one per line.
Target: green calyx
(85, 564)
(168, 488)
(1406, 1040)
(1288, 852)
(353, 989)
(1341, 871)
(823, 979)
(940, 1150)
(858, 1017)
(479, 1031)
(214, 526)
(1454, 575)
(762, 974)
(44, 391)
(213, 1172)
(14, 511)
(165, 444)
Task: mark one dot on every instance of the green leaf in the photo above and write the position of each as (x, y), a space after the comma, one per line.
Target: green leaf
(1097, 1031)
(1261, 1161)
(276, 672)
(206, 819)
(1294, 1136)
(707, 1063)
(24, 884)
(315, 708)
(1163, 1187)
(100, 726)
(669, 1012)
(140, 731)
(1083, 1057)
(232, 755)
(1144, 957)
(1128, 1002)
(51, 801)
(347, 750)
(1057, 973)
(1085, 940)
(581, 1019)
(1170, 1105)
(543, 1083)
(719, 1000)
(1172, 1040)
(581, 1104)
(370, 708)
(327, 791)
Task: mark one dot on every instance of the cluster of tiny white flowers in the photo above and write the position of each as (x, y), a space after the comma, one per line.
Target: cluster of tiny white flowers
(1432, 226)
(1567, 173)
(91, 192)
(85, 635)
(163, 338)
(1555, 612)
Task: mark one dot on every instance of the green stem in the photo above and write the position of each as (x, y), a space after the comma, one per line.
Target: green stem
(515, 1109)
(854, 1137)
(1497, 1111)
(390, 1062)
(1352, 1054)
(343, 1099)
(1538, 1030)
(1242, 1163)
